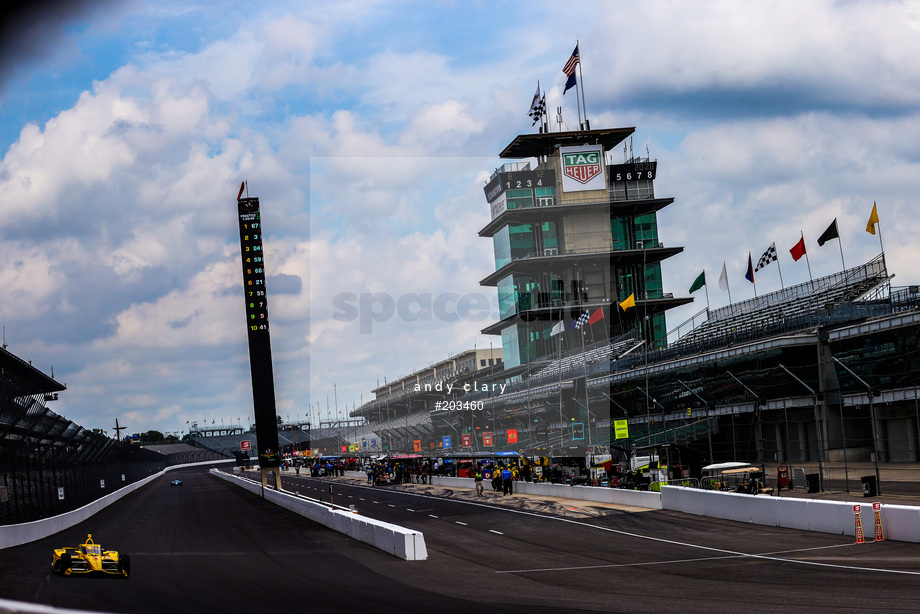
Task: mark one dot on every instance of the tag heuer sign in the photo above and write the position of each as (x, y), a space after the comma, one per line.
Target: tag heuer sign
(582, 168)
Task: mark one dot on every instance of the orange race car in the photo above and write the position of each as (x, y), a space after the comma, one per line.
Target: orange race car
(90, 558)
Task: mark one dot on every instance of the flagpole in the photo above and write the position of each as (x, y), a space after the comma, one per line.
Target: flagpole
(542, 119)
(778, 268)
(584, 366)
(581, 78)
(810, 278)
(878, 225)
(545, 114)
(840, 244)
(706, 287)
(577, 97)
(753, 277)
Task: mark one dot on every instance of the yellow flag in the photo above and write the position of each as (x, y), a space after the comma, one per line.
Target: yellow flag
(629, 302)
(873, 220)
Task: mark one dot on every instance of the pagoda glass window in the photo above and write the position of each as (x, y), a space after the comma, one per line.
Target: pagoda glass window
(653, 285)
(517, 293)
(519, 199)
(619, 230)
(511, 347)
(523, 241)
(550, 238)
(647, 230)
(501, 244)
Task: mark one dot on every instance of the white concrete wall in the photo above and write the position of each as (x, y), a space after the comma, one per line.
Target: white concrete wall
(900, 522)
(636, 498)
(18, 534)
(405, 543)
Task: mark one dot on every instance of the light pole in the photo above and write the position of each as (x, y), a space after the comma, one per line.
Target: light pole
(763, 464)
(708, 418)
(818, 430)
(878, 481)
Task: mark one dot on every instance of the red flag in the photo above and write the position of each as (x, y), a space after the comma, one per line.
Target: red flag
(242, 187)
(798, 250)
(597, 315)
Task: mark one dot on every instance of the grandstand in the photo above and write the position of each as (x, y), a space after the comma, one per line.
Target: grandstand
(794, 308)
(48, 464)
(183, 453)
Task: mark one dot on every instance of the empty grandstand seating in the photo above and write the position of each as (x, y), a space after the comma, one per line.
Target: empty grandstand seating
(606, 352)
(796, 307)
(182, 453)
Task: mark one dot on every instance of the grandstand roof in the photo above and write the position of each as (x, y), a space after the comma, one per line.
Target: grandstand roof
(29, 379)
(545, 143)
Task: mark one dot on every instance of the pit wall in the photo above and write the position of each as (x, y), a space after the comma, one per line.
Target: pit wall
(635, 498)
(18, 534)
(900, 522)
(404, 543)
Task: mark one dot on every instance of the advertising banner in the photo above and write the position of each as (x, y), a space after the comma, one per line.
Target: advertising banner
(582, 168)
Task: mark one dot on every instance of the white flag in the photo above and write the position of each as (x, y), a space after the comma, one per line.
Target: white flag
(723, 278)
(557, 329)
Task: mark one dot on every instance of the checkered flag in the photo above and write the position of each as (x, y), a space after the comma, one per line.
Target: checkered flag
(582, 319)
(537, 109)
(768, 257)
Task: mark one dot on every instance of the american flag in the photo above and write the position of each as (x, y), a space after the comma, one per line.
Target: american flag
(768, 257)
(569, 67)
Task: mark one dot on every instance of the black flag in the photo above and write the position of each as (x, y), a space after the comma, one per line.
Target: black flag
(830, 233)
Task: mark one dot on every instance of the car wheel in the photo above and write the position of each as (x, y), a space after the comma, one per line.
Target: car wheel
(65, 564)
(124, 565)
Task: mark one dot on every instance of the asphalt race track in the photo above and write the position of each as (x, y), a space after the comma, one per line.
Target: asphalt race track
(208, 546)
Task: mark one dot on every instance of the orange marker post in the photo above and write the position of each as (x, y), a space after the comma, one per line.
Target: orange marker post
(879, 532)
(860, 538)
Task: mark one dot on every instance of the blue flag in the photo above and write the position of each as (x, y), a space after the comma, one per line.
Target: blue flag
(749, 275)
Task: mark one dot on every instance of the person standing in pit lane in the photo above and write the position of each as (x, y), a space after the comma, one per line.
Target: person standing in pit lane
(477, 478)
(507, 479)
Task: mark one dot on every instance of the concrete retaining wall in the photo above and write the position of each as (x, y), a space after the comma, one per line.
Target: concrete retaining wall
(18, 534)
(405, 543)
(636, 498)
(900, 522)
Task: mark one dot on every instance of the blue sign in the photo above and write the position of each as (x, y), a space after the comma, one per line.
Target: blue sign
(445, 441)
(373, 443)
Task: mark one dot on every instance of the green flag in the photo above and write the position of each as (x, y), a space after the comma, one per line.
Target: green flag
(699, 283)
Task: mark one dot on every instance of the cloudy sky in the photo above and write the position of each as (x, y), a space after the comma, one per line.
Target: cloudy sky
(368, 130)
